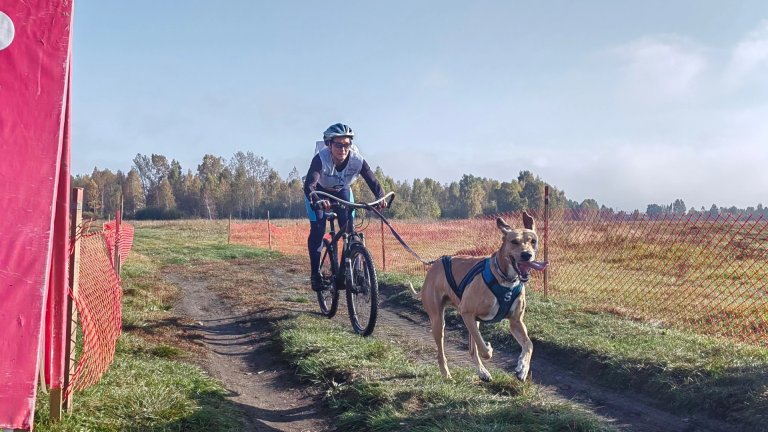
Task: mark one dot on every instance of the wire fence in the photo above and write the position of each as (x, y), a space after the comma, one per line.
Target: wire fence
(98, 300)
(702, 273)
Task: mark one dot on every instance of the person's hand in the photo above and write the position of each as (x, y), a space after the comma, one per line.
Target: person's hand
(323, 204)
(382, 205)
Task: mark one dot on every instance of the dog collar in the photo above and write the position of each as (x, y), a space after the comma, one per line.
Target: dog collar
(504, 276)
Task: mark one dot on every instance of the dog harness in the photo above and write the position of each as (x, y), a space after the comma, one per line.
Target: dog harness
(504, 295)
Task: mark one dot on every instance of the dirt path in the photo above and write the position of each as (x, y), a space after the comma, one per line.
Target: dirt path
(239, 352)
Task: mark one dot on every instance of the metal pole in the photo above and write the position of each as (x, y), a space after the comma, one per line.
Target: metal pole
(269, 231)
(229, 229)
(383, 254)
(546, 240)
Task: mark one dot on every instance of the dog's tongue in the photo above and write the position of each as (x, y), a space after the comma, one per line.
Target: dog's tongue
(536, 265)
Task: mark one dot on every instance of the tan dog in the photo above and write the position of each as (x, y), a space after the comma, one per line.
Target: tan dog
(509, 266)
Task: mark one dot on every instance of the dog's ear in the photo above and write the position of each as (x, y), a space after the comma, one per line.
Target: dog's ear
(528, 221)
(502, 225)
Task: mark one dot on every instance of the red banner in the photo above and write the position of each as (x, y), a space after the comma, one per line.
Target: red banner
(35, 47)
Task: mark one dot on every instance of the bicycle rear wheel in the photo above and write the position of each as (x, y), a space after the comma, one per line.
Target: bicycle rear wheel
(363, 295)
(328, 297)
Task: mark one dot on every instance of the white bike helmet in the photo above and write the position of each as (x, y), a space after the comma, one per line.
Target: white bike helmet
(337, 130)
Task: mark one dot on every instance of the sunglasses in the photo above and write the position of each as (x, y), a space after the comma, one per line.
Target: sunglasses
(341, 146)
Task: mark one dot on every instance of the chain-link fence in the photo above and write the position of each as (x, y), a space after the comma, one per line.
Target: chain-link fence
(698, 272)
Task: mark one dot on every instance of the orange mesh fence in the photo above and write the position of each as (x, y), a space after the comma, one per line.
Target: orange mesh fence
(126, 240)
(701, 273)
(98, 303)
(286, 236)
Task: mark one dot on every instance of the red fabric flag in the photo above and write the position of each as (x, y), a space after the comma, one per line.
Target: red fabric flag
(35, 46)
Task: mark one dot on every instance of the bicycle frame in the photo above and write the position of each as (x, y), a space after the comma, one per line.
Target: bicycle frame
(351, 267)
(346, 233)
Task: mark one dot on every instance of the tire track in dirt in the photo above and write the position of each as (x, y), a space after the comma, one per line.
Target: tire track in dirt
(239, 354)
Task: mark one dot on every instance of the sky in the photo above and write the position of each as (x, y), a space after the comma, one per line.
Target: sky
(627, 103)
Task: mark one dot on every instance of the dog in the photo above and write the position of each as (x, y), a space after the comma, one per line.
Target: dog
(503, 274)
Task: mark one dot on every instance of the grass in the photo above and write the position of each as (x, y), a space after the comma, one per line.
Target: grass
(149, 386)
(681, 371)
(145, 389)
(374, 386)
(186, 242)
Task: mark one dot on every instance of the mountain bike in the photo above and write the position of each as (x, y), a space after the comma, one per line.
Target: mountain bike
(349, 267)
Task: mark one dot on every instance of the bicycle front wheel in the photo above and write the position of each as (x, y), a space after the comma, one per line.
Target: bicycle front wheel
(328, 297)
(363, 295)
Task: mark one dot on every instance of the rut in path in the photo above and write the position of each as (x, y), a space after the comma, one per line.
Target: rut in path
(239, 353)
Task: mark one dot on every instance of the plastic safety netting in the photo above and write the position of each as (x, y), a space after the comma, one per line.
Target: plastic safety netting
(98, 301)
(702, 273)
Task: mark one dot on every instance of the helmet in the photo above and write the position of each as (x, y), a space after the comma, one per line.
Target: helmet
(338, 130)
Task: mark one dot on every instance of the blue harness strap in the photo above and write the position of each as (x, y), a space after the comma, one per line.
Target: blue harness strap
(504, 295)
(459, 289)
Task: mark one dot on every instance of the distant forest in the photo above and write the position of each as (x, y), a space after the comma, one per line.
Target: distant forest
(247, 187)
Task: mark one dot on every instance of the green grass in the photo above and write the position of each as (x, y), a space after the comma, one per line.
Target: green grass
(144, 391)
(372, 385)
(683, 372)
(186, 242)
(148, 387)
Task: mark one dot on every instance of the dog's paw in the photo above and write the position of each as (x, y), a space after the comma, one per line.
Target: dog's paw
(484, 375)
(488, 352)
(521, 372)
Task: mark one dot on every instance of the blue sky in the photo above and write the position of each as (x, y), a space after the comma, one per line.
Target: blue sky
(628, 103)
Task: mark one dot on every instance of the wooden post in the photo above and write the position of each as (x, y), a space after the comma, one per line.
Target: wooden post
(118, 221)
(76, 220)
(383, 254)
(229, 229)
(546, 240)
(54, 394)
(269, 231)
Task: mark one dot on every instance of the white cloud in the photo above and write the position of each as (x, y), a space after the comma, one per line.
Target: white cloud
(660, 68)
(749, 56)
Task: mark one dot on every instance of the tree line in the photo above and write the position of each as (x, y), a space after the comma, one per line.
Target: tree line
(247, 187)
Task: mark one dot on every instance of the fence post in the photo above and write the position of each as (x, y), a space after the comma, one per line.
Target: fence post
(546, 239)
(118, 220)
(269, 231)
(383, 254)
(229, 229)
(70, 332)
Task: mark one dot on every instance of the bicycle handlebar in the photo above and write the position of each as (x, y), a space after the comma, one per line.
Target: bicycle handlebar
(390, 195)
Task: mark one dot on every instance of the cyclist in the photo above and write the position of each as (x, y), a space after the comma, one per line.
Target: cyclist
(333, 170)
